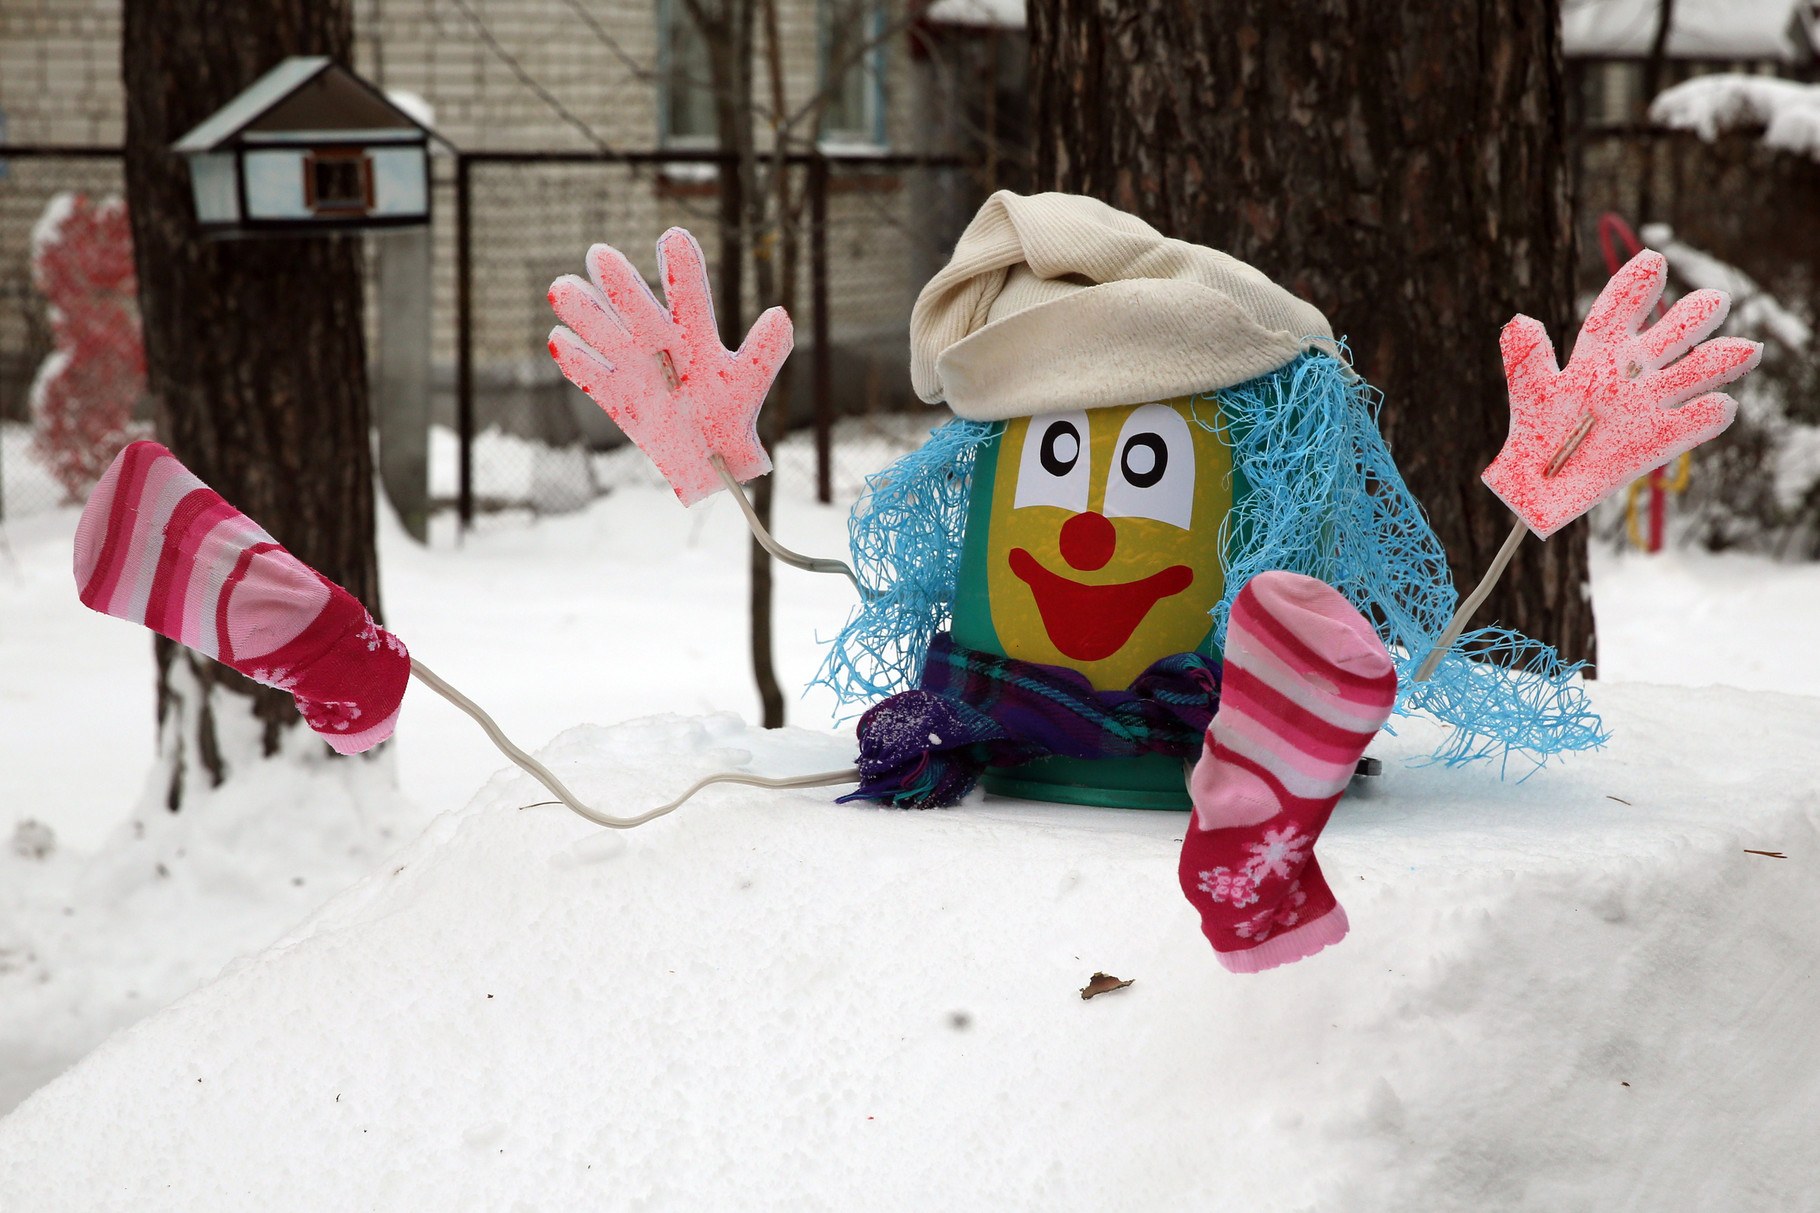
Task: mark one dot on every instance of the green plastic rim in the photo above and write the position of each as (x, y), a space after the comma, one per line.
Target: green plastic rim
(1152, 781)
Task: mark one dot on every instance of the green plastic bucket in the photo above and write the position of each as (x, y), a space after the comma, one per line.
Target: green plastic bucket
(1151, 781)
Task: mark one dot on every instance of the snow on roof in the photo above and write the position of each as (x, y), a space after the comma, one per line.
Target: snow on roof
(1002, 14)
(414, 105)
(1787, 112)
(1703, 29)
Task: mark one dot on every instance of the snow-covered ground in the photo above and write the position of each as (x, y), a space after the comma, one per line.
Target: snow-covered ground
(1583, 990)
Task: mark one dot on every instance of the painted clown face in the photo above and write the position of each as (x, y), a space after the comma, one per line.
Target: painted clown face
(1103, 546)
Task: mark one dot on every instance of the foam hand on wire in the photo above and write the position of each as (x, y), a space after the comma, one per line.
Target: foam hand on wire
(1627, 401)
(661, 373)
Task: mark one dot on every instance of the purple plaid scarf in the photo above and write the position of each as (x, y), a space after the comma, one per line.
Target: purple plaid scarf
(927, 748)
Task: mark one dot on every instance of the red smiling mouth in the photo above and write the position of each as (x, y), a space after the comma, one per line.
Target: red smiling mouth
(1092, 622)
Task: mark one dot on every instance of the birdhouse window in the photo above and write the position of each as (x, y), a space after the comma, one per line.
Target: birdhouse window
(338, 182)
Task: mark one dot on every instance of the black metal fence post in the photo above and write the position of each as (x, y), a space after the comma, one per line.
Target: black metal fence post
(822, 368)
(464, 342)
(732, 260)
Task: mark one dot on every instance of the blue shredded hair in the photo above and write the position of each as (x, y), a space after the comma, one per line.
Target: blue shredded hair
(1323, 497)
(906, 534)
(1326, 499)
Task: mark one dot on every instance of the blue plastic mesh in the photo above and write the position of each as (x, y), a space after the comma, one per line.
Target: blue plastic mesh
(906, 533)
(1324, 498)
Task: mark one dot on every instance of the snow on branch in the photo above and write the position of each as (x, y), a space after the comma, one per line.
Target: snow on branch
(1755, 311)
(1787, 111)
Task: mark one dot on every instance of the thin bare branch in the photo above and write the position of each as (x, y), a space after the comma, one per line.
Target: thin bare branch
(529, 81)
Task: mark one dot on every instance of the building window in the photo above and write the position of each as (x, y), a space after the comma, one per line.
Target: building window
(851, 35)
(685, 99)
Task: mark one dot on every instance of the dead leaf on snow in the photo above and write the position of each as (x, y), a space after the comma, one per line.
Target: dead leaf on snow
(1101, 983)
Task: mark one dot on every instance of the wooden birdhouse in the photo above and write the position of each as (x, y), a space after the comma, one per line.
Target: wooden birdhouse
(309, 146)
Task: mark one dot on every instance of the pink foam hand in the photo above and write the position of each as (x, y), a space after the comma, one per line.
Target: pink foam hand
(662, 373)
(1627, 401)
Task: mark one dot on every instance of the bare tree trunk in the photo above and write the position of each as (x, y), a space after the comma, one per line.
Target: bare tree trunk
(761, 215)
(1403, 168)
(1652, 84)
(748, 225)
(255, 356)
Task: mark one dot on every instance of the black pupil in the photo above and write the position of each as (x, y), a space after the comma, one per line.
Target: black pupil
(1159, 460)
(1055, 463)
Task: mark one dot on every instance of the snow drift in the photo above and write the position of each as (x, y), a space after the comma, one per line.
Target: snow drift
(1589, 989)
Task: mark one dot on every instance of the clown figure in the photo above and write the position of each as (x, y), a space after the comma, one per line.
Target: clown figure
(1085, 353)
(1160, 558)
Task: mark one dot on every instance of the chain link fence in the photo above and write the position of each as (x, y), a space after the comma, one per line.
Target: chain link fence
(868, 232)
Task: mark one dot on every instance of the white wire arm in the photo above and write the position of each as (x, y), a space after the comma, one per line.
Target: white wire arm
(542, 774)
(814, 564)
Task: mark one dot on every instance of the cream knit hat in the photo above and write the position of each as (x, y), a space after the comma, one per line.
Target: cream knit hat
(1058, 301)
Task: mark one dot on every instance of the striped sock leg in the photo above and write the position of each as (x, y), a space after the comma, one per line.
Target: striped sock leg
(158, 547)
(1306, 686)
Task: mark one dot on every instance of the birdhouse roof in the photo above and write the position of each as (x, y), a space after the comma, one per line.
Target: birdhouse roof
(305, 98)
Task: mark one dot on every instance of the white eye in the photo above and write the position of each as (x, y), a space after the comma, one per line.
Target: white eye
(1153, 468)
(1055, 466)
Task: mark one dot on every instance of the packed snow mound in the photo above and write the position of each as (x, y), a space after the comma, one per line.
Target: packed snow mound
(1588, 989)
(89, 943)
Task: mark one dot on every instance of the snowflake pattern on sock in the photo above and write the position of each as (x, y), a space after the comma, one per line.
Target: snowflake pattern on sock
(281, 677)
(1226, 887)
(374, 636)
(1285, 913)
(1280, 854)
(329, 715)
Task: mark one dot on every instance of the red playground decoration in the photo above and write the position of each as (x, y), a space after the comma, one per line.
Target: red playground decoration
(1613, 234)
(85, 392)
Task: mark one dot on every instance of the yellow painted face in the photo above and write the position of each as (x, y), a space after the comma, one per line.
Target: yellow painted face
(1103, 551)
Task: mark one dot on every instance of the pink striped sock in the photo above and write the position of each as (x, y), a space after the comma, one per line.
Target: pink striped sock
(156, 546)
(1305, 687)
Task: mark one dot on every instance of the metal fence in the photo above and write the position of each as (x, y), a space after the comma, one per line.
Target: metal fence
(869, 231)
(507, 432)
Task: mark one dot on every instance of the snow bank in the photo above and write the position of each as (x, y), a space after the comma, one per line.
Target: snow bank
(1786, 111)
(1794, 463)
(90, 943)
(26, 485)
(1700, 618)
(1581, 991)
